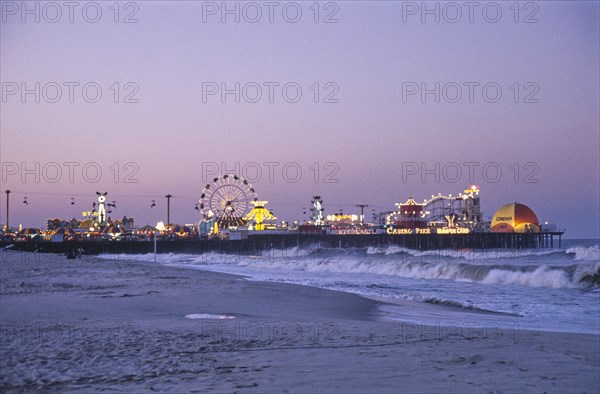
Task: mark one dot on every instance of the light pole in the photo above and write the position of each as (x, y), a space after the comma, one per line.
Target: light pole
(7, 207)
(362, 212)
(168, 197)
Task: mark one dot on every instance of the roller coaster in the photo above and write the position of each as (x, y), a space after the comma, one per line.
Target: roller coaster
(463, 210)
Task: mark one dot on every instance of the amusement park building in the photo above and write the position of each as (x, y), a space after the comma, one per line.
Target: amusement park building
(515, 217)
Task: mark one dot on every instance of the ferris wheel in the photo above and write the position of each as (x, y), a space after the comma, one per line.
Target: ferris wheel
(227, 199)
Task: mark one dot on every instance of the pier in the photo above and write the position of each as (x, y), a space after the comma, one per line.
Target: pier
(259, 242)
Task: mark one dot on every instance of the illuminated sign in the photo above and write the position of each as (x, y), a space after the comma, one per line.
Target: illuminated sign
(454, 230)
(504, 218)
(406, 231)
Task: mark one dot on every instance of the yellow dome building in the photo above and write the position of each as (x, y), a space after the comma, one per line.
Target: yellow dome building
(515, 217)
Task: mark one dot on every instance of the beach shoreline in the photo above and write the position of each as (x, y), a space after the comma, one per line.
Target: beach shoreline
(99, 324)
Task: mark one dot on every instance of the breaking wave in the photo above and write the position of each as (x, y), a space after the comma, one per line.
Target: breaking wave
(461, 305)
(467, 254)
(591, 253)
(577, 274)
(586, 275)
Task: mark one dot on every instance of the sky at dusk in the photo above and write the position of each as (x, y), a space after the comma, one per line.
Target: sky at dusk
(359, 132)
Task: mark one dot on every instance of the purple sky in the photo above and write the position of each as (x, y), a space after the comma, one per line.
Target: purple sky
(369, 54)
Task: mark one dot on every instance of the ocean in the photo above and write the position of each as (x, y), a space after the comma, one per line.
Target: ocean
(538, 289)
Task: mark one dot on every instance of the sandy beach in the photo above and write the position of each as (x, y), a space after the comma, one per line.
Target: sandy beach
(92, 325)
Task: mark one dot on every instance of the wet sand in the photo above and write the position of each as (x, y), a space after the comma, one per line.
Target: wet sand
(91, 325)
